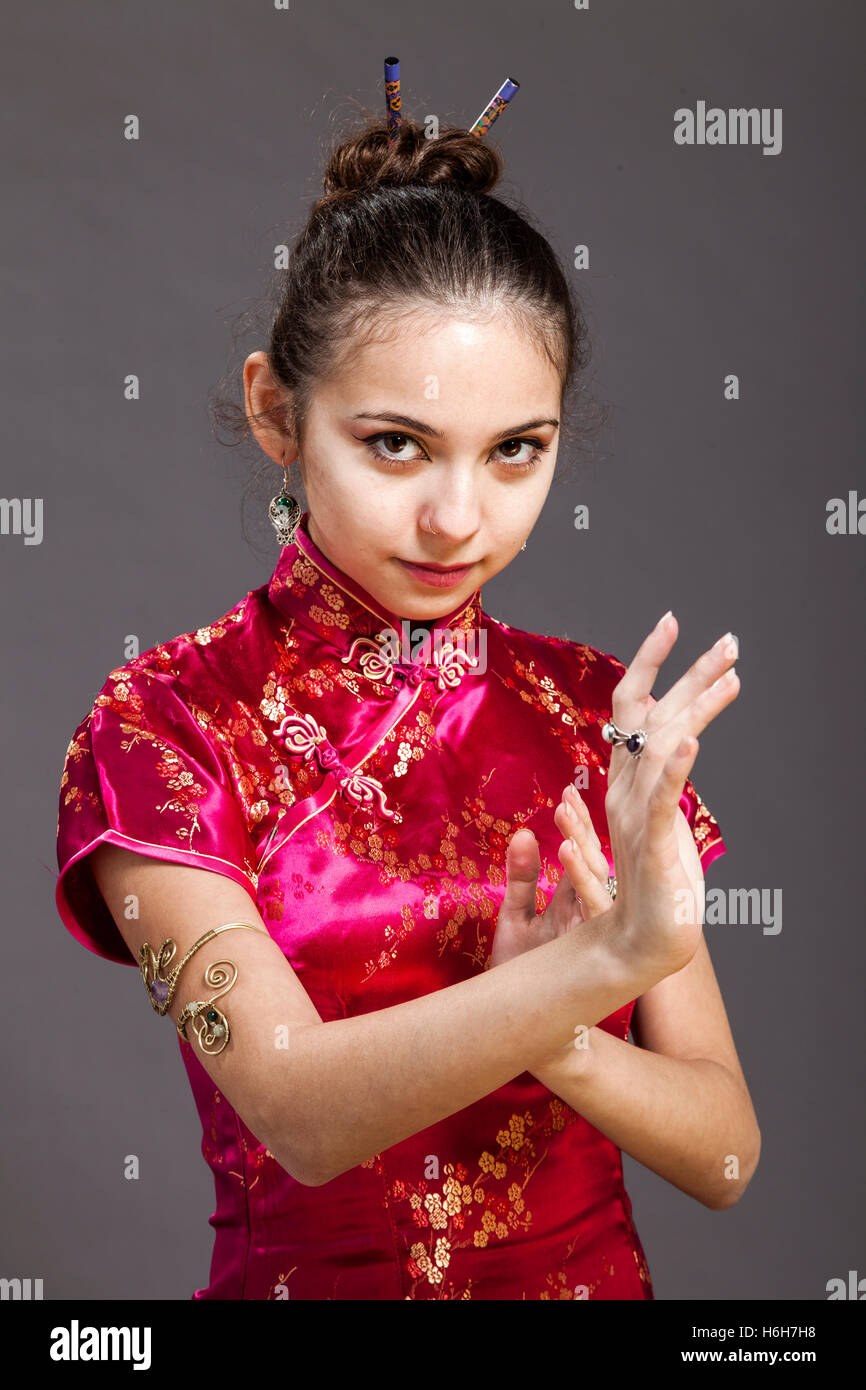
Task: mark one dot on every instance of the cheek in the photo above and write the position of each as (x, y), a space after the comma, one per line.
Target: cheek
(518, 506)
(331, 493)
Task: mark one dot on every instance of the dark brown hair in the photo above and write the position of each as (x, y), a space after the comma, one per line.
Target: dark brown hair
(401, 228)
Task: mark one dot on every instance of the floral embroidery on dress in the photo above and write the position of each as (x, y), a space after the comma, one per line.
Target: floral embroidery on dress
(205, 635)
(468, 907)
(473, 1209)
(185, 793)
(556, 1283)
(546, 696)
(642, 1267)
(70, 794)
(706, 831)
(393, 936)
(494, 832)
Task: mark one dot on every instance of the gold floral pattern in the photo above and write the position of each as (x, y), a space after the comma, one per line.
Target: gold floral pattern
(474, 1208)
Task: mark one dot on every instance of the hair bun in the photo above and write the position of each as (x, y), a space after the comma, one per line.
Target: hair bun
(455, 157)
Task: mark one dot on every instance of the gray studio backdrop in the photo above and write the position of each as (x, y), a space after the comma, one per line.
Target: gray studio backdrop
(706, 262)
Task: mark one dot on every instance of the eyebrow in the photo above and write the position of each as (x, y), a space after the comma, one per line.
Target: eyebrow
(420, 428)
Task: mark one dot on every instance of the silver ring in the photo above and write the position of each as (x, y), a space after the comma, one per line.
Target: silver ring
(611, 887)
(635, 743)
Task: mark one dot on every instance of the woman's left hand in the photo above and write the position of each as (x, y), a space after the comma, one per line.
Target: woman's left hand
(582, 890)
(580, 894)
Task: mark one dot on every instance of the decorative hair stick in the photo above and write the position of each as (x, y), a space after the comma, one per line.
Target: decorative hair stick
(493, 108)
(392, 97)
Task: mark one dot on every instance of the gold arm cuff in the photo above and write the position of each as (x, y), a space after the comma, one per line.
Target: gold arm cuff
(161, 986)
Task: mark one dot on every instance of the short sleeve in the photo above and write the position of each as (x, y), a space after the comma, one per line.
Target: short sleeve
(142, 772)
(704, 827)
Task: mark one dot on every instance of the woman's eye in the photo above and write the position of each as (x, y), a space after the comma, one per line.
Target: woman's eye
(390, 447)
(395, 444)
(535, 447)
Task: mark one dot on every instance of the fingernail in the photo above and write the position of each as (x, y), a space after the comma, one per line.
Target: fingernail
(661, 622)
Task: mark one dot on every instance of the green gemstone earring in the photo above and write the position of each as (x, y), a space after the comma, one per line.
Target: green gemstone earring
(284, 511)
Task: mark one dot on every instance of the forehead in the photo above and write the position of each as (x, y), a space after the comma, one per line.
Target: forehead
(452, 359)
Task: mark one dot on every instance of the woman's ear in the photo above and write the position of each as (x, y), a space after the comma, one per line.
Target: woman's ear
(268, 409)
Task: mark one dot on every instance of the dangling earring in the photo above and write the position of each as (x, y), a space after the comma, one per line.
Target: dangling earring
(284, 511)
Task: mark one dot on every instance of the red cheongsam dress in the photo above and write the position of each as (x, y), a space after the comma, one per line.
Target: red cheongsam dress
(362, 786)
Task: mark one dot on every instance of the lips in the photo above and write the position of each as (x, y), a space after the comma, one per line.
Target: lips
(438, 569)
(437, 578)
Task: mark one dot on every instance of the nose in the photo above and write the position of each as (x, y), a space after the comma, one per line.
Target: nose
(453, 513)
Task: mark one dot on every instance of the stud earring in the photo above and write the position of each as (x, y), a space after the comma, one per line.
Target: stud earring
(284, 510)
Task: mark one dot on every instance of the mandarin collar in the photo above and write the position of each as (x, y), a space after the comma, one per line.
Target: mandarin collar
(309, 588)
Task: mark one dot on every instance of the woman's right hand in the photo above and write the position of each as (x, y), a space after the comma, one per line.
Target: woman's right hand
(657, 908)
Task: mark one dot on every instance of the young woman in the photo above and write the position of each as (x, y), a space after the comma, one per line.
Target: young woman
(410, 1051)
